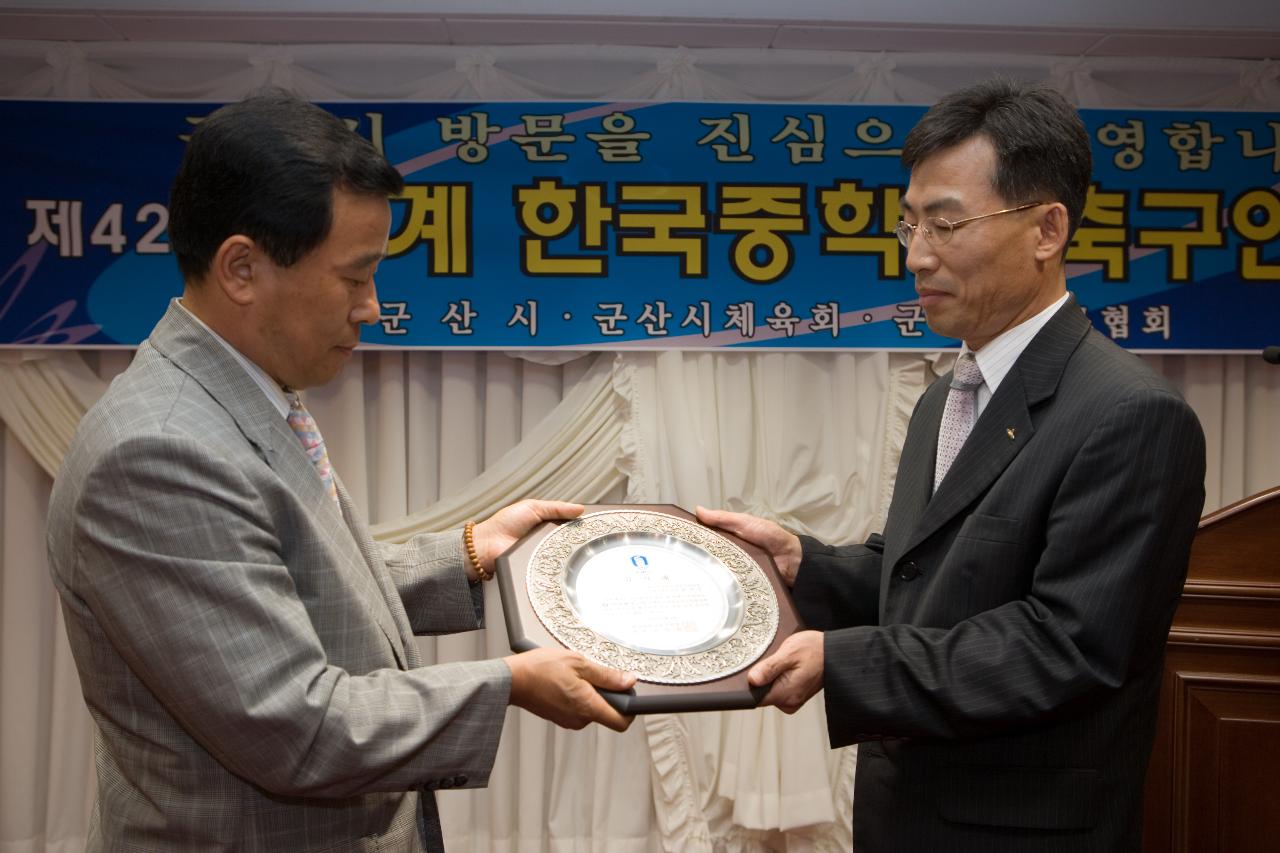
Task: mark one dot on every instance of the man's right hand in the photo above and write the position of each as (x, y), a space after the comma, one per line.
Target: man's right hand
(560, 685)
(783, 546)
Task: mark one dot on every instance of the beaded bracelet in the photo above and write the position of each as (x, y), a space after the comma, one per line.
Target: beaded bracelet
(469, 540)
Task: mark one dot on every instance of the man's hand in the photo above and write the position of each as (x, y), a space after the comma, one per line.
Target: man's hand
(795, 671)
(783, 546)
(559, 685)
(501, 530)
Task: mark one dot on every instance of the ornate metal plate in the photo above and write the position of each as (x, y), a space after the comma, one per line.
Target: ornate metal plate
(653, 594)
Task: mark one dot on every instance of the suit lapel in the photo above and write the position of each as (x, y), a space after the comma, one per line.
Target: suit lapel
(184, 341)
(192, 348)
(1004, 428)
(1000, 433)
(914, 481)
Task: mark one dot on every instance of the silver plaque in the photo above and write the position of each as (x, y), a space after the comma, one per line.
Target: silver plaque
(653, 594)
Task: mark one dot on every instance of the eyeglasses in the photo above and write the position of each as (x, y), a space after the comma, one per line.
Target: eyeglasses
(938, 230)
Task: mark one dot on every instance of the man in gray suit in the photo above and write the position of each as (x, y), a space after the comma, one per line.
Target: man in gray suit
(244, 646)
(999, 648)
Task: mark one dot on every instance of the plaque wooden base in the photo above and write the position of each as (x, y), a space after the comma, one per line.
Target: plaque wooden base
(526, 631)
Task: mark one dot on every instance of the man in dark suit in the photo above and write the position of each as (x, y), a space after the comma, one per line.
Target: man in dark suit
(999, 648)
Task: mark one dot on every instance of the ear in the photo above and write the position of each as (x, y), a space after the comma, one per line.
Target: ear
(1054, 230)
(235, 268)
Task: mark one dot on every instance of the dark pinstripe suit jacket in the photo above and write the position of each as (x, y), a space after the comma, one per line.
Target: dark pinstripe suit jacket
(1000, 646)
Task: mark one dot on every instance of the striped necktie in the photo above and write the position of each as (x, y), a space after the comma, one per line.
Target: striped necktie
(304, 426)
(958, 415)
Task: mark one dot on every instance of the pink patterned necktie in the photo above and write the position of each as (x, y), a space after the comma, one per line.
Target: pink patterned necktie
(959, 414)
(304, 426)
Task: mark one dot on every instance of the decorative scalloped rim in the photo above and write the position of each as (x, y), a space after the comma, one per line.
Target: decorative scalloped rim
(544, 580)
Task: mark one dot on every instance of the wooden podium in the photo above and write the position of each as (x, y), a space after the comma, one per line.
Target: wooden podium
(1213, 785)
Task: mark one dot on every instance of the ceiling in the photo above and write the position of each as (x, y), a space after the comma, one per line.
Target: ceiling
(1242, 29)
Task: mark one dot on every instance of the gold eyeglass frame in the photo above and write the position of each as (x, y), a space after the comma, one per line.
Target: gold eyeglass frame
(906, 231)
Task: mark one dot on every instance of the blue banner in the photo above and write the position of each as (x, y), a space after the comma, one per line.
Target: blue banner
(641, 225)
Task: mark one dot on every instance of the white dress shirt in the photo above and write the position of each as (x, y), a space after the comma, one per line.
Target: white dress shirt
(997, 357)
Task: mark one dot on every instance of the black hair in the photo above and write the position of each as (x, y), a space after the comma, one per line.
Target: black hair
(1041, 145)
(266, 167)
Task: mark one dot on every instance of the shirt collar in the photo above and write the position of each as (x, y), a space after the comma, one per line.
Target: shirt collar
(268, 385)
(996, 359)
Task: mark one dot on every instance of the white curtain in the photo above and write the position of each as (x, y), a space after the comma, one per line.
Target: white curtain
(430, 439)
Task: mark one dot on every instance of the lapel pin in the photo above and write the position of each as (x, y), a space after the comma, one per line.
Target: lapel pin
(1009, 432)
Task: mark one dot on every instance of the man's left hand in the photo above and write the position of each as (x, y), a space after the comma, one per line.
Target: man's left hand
(501, 530)
(794, 670)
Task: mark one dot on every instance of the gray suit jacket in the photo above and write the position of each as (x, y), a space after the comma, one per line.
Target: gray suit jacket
(1002, 643)
(244, 647)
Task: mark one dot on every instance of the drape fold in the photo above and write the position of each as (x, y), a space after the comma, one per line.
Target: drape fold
(42, 397)
(570, 455)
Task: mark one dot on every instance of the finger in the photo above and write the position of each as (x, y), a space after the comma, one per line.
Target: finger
(731, 521)
(786, 693)
(549, 510)
(787, 699)
(606, 677)
(710, 516)
(776, 696)
(765, 672)
(606, 715)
